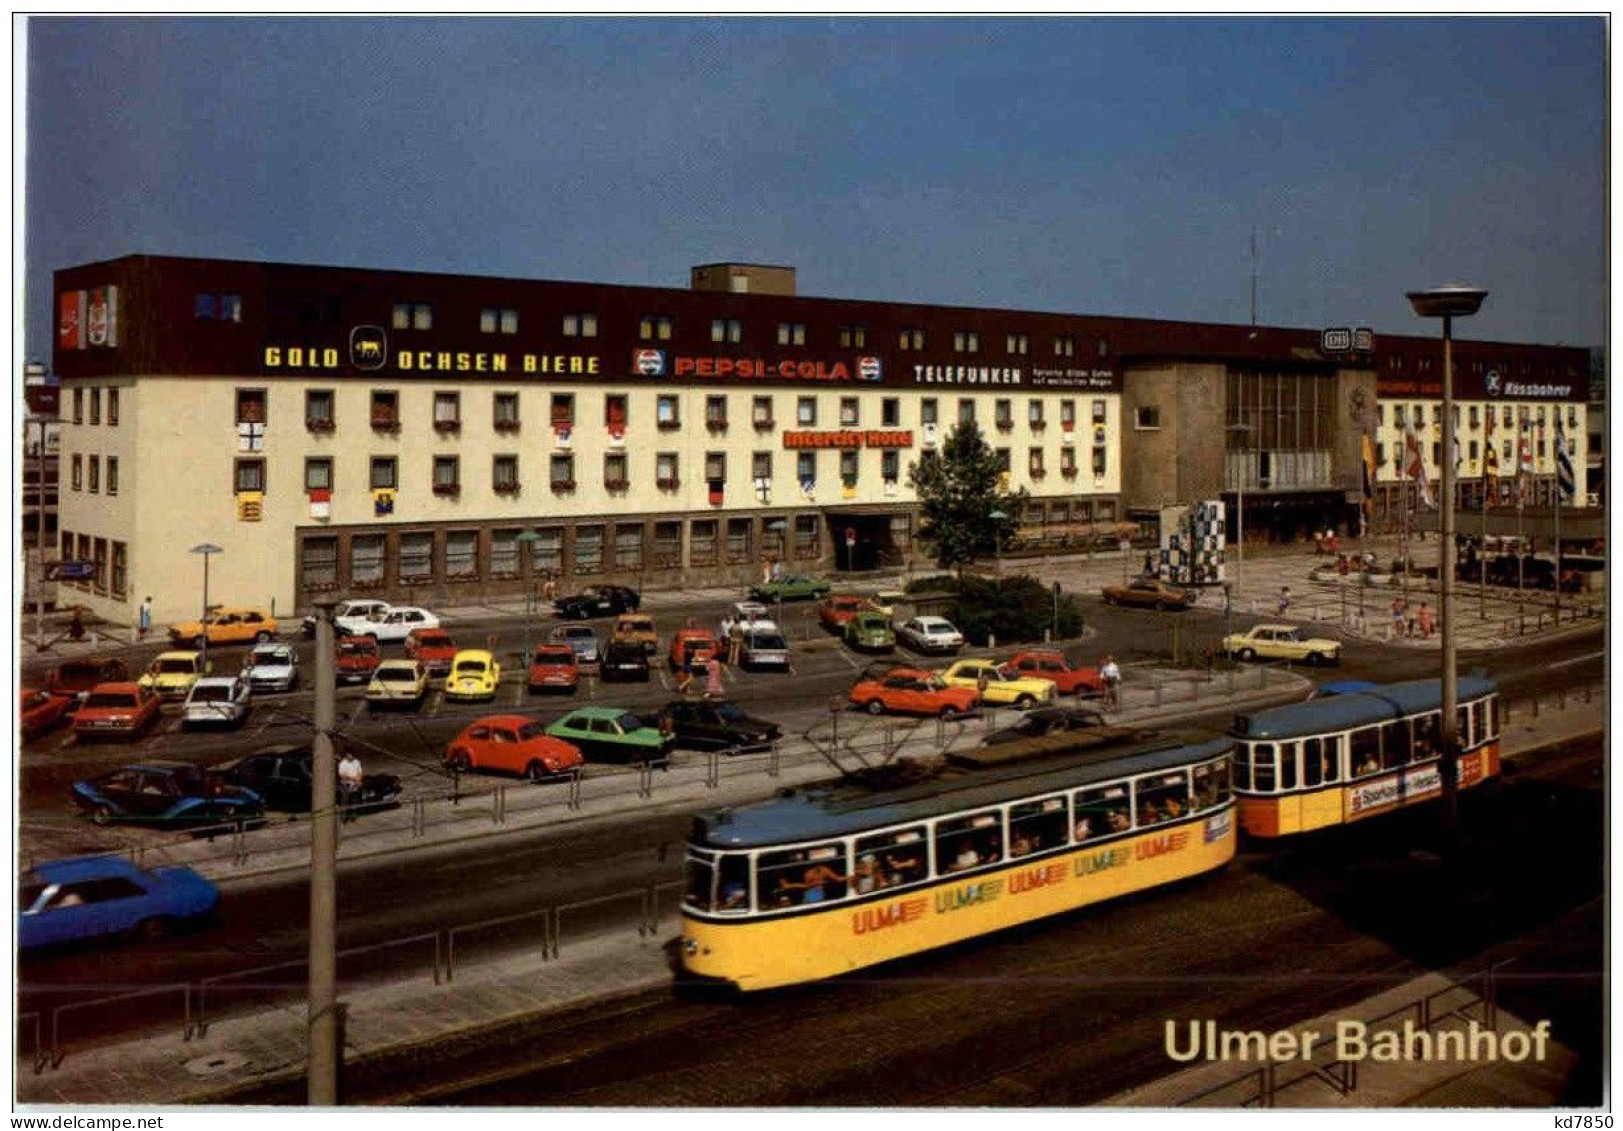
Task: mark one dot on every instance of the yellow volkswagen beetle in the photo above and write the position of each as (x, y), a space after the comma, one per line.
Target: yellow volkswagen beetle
(1003, 685)
(474, 674)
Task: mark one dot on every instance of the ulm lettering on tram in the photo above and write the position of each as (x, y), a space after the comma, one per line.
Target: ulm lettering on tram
(968, 896)
(1101, 861)
(870, 919)
(1034, 878)
(1152, 847)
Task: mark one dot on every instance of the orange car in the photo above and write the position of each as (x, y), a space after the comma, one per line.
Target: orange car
(1054, 666)
(691, 647)
(553, 667)
(514, 744)
(911, 691)
(839, 609)
(433, 648)
(116, 710)
(357, 658)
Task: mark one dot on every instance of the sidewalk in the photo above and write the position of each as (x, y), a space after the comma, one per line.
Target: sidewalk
(235, 1052)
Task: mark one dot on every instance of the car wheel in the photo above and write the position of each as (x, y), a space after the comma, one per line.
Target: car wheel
(1161, 606)
(101, 816)
(461, 762)
(199, 643)
(1248, 654)
(155, 929)
(874, 707)
(1108, 599)
(949, 713)
(535, 771)
(262, 637)
(1315, 658)
(1024, 703)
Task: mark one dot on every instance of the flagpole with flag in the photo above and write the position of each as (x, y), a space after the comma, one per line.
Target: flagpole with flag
(1490, 484)
(1566, 486)
(1524, 470)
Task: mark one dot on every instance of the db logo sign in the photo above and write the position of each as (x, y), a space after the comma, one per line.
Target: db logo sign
(651, 363)
(368, 347)
(869, 369)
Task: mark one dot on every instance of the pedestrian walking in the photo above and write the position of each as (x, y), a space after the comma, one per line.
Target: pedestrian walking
(1330, 542)
(1318, 544)
(726, 628)
(1110, 672)
(1426, 621)
(1397, 616)
(143, 622)
(712, 683)
(735, 642)
(1284, 599)
(76, 627)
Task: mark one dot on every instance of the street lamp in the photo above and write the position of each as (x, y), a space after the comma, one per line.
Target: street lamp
(528, 539)
(1454, 300)
(778, 526)
(1240, 429)
(999, 518)
(207, 549)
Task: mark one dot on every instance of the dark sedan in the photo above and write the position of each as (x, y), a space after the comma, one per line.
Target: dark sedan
(715, 726)
(165, 793)
(624, 661)
(1046, 720)
(1149, 593)
(282, 776)
(598, 601)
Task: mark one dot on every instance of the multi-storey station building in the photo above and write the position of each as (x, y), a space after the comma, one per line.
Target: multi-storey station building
(450, 439)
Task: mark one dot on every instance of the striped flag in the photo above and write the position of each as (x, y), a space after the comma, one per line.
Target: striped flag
(1524, 464)
(1565, 476)
(1490, 460)
(1417, 467)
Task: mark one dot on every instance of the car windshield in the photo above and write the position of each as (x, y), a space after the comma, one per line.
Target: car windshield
(356, 649)
(433, 640)
(552, 660)
(767, 640)
(211, 693)
(471, 667)
(397, 675)
(628, 722)
(271, 656)
(110, 700)
(935, 683)
(577, 634)
(531, 730)
(1005, 672)
(167, 666)
(730, 712)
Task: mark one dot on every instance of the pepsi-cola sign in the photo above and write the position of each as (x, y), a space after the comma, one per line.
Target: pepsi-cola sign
(870, 369)
(650, 363)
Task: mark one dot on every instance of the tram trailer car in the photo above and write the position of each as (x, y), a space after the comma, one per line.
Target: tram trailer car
(1331, 761)
(821, 881)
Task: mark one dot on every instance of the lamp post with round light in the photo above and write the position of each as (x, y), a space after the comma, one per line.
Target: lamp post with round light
(1454, 300)
(528, 539)
(999, 518)
(1242, 430)
(207, 549)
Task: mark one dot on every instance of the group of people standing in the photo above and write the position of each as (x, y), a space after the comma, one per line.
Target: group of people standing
(1412, 622)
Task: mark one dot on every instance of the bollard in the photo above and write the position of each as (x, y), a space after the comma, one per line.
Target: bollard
(1561, 698)
(1535, 706)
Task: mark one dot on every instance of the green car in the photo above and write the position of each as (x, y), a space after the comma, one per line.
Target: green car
(612, 734)
(870, 632)
(791, 587)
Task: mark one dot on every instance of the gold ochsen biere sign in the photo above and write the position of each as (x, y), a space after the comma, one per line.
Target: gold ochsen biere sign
(442, 361)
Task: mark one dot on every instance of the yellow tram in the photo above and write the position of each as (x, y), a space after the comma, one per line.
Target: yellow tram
(819, 882)
(1339, 759)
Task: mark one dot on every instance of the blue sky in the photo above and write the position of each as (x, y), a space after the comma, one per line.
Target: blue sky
(1109, 166)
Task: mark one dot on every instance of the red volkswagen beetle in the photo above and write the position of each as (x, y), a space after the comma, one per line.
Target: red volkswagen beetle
(513, 744)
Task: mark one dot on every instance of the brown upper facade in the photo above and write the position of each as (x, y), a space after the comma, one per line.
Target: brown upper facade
(161, 315)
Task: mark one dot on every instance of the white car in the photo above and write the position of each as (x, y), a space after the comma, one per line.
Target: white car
(397, 623)
(217, 700)
(747, 610)
(764, 646)
(397, 681)
(930, 634)
(349, 617)
(272, 667)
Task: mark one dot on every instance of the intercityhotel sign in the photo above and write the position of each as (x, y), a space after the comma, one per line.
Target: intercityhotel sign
(851, 438)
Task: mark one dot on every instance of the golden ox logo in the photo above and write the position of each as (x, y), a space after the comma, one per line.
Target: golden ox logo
(368, 347)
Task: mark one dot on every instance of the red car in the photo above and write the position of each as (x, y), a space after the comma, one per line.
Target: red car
(358, 657)
(691, 647)
(39, 711)
(553, 667)
(433, 648)
(116, 710)
(514, 744)
(1054, 666)
(912, 691)
(839, 609)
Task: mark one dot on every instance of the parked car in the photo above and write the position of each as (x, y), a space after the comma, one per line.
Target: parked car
(41, 711)
(356, 658)
(78, 677)
(691, 648)
(700, 725)
(513, 744)
(116, 710)
(612, 734)
(172, 674)
(349, 617)
(217, 700)
(598, 601)
(1040, 721)
(474, 675)
(433, 648)
(1002, 684)
(397, 623)
(283, 777)
(553, 667)
(747, 611)
(638, 627)
(910, 691)
(90, 898)
(226, 626)
(1281, 642)
(272, 667)
(930, 634)
(165, 793)
(398, 683)
(836, 612)
(1054, 666)
(624, 661)
(1149, 593)
(870, 632)
(792, 587)
(764, 647)
(581, 639)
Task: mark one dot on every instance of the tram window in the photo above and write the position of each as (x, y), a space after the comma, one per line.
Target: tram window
(890, 860)
(1036, 825)
(1164, 797)
(1312, 768)
(1211, 785)
(1426, 741)
(1287, 765)
(1462, 733)
(1490, 713)
(1100, 811)
(968, 842)
(802, 875)
(1378, 747)
(1242, 765)
(700, 876)
(733, 883)
(1262, 767)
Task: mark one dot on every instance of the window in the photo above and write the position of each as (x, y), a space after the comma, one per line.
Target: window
(667, 544)
(563, 471)
(928, 411)
(738, 539)
(1098, 461)
(1067, 415)
(504, 474)
(120, 566)
(805, 468)
(668, 412)
(654, 328)
(504, 553)
(112, 475)
(761, 465)
(318, 410)
(1018, 343)
(801, 875)
(791, 333)
(848, 412)
(250, 406)
(385, 410)
(1472, 450)
(890, 412)
(715, 467)
(383, 473)
(1067, 462)
(971, 841)
(492, 320)
(447, 475)
(848, 466)
(95, 405)
(1147, 418)
(628, 545)
(1065, 346)
(211, 306)
(665, 469)
(726, 330)
(417, 556)
(761, 412)
(95, 475)
(910, 339)
(461, 554)
(1400, 416)
(615, 477)
(715, 412)
(1003, 461)
(79, 407)
(890, 465)
(1099, 412)
(1037, 825)
(966, 411)
(504, 412)
(1100, 811)
(807, 536)
(580, 326)
(413, 316)
(250, 475)
(447, 412)
(1473, 417)
(1034, 415)
(318, 473)
(853, 337)
(702, 542)
(588, 549)
(548, 553)
(966, 341)
(1380, 454)
(806, 411)
(1508, 420)
(1034, 464)
(78, 472)
(563, 409)
(1003, 413)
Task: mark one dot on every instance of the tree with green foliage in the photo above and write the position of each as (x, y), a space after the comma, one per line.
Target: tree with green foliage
(958, 491)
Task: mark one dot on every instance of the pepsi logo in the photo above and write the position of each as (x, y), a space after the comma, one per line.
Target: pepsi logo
(651, 363)
(869, 369)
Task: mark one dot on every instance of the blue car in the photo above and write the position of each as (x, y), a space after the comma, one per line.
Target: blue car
(165, 793)
(67, 901)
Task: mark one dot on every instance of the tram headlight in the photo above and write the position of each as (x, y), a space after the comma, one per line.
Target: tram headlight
(690, 947)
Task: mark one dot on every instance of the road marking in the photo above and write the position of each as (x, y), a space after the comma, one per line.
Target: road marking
(1584, 659)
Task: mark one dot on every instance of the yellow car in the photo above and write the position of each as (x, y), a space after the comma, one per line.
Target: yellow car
(1004, 685)
(638, 627)
(227, 626)
(398, 681)
(1281, 642)
(173, 673)
(474, 674)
